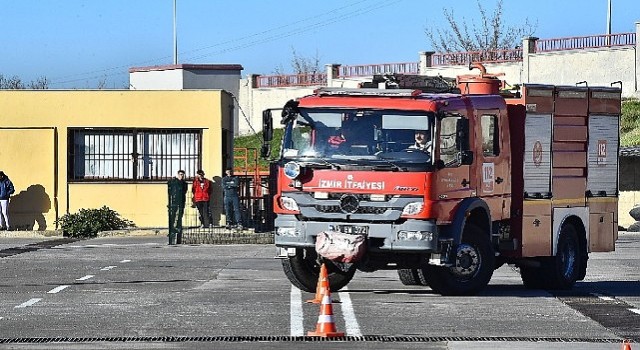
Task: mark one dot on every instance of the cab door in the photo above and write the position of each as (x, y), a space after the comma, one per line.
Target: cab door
(453, 180)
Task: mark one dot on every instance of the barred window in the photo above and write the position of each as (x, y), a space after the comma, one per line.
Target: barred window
(132, 154)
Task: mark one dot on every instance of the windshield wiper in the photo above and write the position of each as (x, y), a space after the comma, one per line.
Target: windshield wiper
(322, 164)
(388, 165)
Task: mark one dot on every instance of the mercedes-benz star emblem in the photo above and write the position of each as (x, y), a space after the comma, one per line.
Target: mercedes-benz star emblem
(349, 203)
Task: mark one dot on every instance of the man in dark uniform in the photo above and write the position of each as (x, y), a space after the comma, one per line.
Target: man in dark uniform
(177, 190)
(230, 186)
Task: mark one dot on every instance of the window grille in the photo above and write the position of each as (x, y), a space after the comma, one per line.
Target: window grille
(133, 154)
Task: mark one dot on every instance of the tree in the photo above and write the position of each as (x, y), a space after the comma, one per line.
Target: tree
(490, 34)
(15, 83)
(301, 64)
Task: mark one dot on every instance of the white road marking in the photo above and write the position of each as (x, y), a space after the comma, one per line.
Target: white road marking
(603, 297)
(107, 268)
(351, 323)
(28, 303)
(636, 311)
(295, 312)
(57, 289)
(125, 261)
(85, 278)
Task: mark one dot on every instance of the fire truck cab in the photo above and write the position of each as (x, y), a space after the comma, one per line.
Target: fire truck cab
(446, 187)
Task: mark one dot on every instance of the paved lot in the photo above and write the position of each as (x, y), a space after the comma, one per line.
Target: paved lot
(137, 292)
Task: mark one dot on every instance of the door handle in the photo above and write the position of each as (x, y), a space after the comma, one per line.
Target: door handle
(465, 183)
(499, 180)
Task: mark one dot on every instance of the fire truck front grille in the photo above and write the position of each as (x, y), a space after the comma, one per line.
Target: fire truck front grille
(360, 210)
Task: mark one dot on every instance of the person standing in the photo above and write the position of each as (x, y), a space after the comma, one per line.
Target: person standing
(230, 186)
(201, 190)
(6, 190)
(177, 190)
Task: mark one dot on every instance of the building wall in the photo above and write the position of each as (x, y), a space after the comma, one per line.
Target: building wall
(598, 67)
(254, 100)
(33, 148)
(156, 80)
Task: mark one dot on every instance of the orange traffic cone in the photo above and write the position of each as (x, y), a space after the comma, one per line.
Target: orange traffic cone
(626, 345)
(325, 326)
(323, 283)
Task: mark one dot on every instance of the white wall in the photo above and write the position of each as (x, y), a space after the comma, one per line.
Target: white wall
(598, 67)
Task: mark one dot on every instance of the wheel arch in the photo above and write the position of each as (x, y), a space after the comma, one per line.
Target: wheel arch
(578, 218)
(470, 211)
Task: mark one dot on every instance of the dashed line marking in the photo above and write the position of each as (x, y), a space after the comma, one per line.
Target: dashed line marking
(295, 312)
(28, 303)
(107, 268)
(349, 315)
(125, 261)
(85, 278)
(635, 311)
(57, 289)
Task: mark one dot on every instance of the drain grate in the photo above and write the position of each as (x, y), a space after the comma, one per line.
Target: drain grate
(276, 338)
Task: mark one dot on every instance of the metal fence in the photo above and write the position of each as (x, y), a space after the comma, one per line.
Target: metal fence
(586, 42)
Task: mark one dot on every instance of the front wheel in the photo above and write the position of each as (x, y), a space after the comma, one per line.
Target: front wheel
(412, 277)
(303, 271)
(473, 267)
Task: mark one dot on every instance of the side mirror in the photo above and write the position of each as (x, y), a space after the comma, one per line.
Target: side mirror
(462, 134)
(267, 133)
(265, 150)
(267, 126)
(465, 157)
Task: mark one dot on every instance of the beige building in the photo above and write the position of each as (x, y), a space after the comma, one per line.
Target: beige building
(67, 150)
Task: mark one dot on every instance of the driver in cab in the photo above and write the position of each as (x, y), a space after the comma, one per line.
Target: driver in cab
(422, 141)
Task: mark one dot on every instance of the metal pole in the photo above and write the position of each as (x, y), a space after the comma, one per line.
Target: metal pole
(609, 22)
(175, 34)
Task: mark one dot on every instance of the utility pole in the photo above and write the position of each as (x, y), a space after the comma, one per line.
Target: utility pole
(175, 33)
(609, 23)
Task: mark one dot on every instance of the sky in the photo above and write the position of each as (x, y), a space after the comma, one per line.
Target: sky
(89, 43)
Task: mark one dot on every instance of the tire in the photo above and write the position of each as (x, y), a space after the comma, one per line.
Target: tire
(303, 271)
(412, 277)
(563, 270)
(474, 265)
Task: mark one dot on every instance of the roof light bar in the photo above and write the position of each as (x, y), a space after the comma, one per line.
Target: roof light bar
(329, 91)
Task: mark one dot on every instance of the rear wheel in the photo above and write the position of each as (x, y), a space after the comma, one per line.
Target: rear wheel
(560, 271)
(303, 271)
(564, 268)
(473, 267)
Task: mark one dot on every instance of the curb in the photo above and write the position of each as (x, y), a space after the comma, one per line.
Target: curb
(31, 234)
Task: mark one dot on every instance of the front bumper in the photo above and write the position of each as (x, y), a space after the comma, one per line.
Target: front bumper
(385, 234)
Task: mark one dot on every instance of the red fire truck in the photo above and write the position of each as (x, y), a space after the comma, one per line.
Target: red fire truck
(446, 187)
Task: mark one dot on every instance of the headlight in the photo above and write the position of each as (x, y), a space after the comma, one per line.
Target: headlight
(413, 208)
(415, 236)
(292, 170)
(289, 204)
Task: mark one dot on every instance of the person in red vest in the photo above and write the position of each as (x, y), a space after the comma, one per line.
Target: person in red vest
(201, 190)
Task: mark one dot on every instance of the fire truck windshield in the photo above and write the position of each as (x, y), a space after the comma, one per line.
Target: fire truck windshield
(360, 135)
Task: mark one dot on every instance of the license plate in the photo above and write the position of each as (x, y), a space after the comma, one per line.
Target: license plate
(350, 229)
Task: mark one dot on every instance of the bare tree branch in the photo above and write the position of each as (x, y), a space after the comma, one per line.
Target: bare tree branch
(490, 34)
